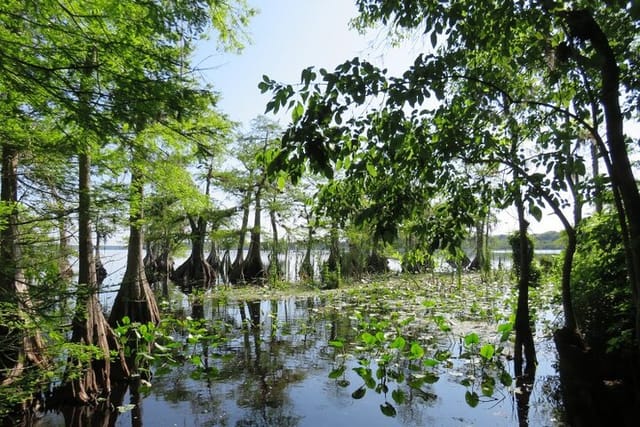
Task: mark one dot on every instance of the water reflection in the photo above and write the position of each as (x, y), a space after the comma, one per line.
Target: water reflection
(278, 368)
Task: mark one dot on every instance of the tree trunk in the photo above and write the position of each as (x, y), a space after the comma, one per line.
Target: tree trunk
(149, 261)
(480, 262)
(213, 259)
(101, 271)
(253, 267)
(195, 272)
(583, 26)
(236, 273)
(275, 270)
(166, 263)
(524, 351)
(20, 347)
(89, 324)
(595, 171)
(135, 298)
(570, 322)
(331, 274)
(158, 265)
(306, 269)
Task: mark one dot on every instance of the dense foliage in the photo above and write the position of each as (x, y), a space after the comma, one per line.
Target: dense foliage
(601, 289)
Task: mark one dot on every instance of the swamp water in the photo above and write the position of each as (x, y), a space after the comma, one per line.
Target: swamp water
(408, 351)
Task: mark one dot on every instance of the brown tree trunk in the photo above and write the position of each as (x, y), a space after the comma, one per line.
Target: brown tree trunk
(583, 26)
(89, 324)
(306, 269)
(480, 262)
(595, 171)
(524, 350)
(275, 270)
(253, 267)
(195, 272)
(236, 273)
(18, 349)
(101, 271)
(213, 259)
(135, 298)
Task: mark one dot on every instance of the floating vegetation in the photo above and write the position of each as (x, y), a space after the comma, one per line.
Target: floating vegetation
(397, 349)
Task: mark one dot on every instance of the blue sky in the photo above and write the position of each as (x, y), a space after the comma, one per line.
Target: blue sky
(290, 35)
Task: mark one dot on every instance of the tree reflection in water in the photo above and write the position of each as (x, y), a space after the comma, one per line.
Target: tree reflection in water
(273, 368)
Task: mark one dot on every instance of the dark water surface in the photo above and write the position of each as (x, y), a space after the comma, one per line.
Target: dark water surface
(277, 366)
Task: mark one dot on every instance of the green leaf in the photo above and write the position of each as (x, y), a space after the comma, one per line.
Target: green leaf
(442, 355)
(434, 39)
(431, 378)
(388, 409)
(126, 408)
(488, 386)
(471, 339)
(196, 360)
(535, 212)
(429, 303)
(160, 347)
(487, 351)
(430, 362)
(359, 393)
(416, 351)
(398, 396)
(368, 338)
(371, 169)
(297, 112)
(472, 398)
(398, 343)
(505, 330)
(337, 373)
(506, 379)
(336, 344)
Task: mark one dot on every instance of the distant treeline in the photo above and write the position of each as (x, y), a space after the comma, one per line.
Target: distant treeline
(546, 240)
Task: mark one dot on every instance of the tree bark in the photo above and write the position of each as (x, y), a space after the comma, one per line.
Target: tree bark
(20, 347)
(236, 273)
(101, 271)
(595, 171)
(583, 26)
(274, 266)
(135, 298)
(253, 267)
(306, 269)
(195, 272)
(213, 259)
(480, 262)
(524, 352)
(89, 324)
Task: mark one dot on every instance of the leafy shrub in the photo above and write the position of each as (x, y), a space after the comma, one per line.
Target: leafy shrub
(330, 278)
(601, 290)
(417, 261)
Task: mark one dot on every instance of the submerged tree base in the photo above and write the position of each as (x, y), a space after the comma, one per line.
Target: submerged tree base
(590, 395)
(194, 273)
